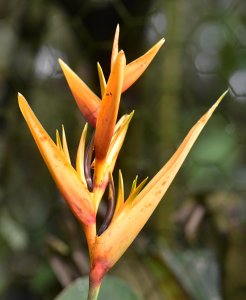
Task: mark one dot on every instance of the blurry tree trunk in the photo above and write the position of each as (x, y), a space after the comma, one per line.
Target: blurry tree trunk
(170, 84)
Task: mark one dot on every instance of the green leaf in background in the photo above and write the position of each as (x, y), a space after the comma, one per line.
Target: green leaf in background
(214, 158)
(112, 288)
(12, 232)
(197, 271)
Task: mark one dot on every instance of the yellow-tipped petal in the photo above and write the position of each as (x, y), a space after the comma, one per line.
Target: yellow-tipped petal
(109, 109)
(116, 239)
(77, 197)
(118, 139)
(115, 48)
(101, 79)
(120, 196)
(136, 68)
(134, 184)
(135, 191)
(100, 181)
(64, 145)
(58, 140)
(80, 156)
(87, 101)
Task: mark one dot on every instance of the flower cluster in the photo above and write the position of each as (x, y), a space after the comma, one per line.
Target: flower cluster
(84, 184)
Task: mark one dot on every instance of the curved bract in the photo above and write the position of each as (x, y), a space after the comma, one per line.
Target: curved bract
(65, 176)
(134, 213)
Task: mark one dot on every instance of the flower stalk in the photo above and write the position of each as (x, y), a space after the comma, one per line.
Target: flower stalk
(93, 291)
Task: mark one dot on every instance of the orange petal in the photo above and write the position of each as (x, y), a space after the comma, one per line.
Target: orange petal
(66, 178)
(64, 145)
(135, 191)
(120, 196)
(101, 79)
(115, 48)
(116, 239)
(107, 166)
(118, 140)
(136, 68)
(80, 156)
(109, 109)
(87, 101)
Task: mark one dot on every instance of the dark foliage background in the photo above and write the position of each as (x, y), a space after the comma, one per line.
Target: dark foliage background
(193, 247)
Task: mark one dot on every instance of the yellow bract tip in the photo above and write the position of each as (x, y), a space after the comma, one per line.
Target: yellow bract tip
(101, 79)
(21, 98)
(115, 48)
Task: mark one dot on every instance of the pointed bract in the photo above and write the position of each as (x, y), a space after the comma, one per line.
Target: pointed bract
(136, 68)
(109, 109)
(58, 140)
(118, 138)
(63, 173)
(120, 197)
(87, 101)
(101, 79)
(80, 156)
(135, 191)
(110, 246)
(64, 145)
(115, 48)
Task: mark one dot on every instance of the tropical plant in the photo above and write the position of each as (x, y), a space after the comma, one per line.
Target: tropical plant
(84, 185)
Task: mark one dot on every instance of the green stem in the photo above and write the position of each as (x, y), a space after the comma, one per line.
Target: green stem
(93, 291)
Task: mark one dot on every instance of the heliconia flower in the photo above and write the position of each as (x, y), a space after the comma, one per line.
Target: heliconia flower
(88, 102)
(132, 214)
(84, 185)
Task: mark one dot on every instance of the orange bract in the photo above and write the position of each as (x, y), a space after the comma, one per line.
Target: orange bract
(132, 216)
(87, 101)
(65, 176)
(109, 108)
(136, 68)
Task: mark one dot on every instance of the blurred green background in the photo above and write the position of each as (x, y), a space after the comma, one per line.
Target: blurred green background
(194, 245)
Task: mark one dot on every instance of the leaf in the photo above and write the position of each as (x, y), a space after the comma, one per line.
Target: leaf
(197, 271)
(112, 288)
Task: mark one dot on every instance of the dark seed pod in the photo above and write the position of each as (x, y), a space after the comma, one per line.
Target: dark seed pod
(111, 206)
